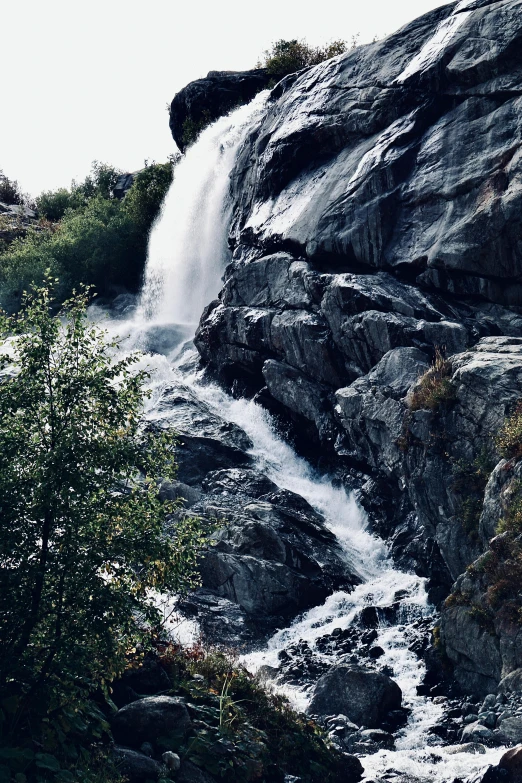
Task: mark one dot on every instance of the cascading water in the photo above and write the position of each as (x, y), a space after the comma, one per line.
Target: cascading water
(188, 244)
(187, 254)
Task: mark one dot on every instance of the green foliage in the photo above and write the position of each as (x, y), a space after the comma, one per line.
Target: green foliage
(434, 388)
(192, 128)
(511, 521)
(100, 183)
(149, 188)
(245, 732)
(10, 191)
(87, 236)
(469, 485)
(52, 205)
(509, 441)
(85, 538)
(286, 57)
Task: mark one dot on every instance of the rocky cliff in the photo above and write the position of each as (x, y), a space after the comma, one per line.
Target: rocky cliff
(377, 226)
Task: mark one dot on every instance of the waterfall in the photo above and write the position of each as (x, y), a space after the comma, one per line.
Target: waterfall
(188, 243)
(187, 254)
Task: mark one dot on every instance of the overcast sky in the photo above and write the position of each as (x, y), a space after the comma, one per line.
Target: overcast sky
(92, 80)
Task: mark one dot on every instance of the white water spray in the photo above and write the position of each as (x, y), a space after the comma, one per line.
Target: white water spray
(188, 243)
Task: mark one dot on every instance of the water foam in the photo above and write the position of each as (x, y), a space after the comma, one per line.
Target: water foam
(188, 243)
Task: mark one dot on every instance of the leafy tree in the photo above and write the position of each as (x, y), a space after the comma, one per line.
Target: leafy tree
(100, 182)
(52, 205)
(144, 199)
(286, 57)
(10, 191)
(85, 538)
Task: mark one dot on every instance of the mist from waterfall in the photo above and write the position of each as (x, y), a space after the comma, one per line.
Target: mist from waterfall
(188, 243)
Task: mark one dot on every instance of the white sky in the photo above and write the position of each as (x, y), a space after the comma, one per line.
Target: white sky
(91, 80)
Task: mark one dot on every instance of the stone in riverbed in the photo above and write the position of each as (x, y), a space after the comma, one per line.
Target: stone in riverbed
(508, 770)
(475, 732)
(364, 696)
(511, 728)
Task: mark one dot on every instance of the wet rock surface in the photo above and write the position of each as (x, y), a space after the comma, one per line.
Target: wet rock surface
(271, 555)
(365, 697)
(376, 223)
(372, 224)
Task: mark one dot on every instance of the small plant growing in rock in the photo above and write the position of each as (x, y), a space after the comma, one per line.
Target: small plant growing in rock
(509, 440)
(435, 387)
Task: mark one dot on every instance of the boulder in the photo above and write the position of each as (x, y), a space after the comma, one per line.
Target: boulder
(147, 679)
(510, 766)
(364, 696)
(476, 732)
(190, 773)
(205, 100)
(160, 720)
(511, 683)
(136, 767)
(508, 770)
(511, 728)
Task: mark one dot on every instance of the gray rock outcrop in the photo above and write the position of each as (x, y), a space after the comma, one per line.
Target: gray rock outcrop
(135, 767)
(203, 101)
(272, 555)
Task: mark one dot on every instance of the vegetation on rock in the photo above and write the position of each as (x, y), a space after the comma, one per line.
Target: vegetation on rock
(469, 485)
(434, 388)
(241, 731)
(286, 57)
(86, 235)
(509, 441)
(85, 538)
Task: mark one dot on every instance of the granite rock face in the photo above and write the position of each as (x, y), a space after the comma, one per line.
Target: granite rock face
(376, 220)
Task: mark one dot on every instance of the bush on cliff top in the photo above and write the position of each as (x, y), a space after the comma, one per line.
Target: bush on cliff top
(85, 537)
(286, 57)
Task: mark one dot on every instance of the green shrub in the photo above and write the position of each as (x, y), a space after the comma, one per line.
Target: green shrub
(469, 485)
(97, 240)
(143, 201)
(85, 537)
(434, 388)
(52, 205)
(509, 440)
(286, 57)
(258, 735)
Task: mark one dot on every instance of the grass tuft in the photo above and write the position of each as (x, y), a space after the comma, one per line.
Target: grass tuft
(434, 388)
